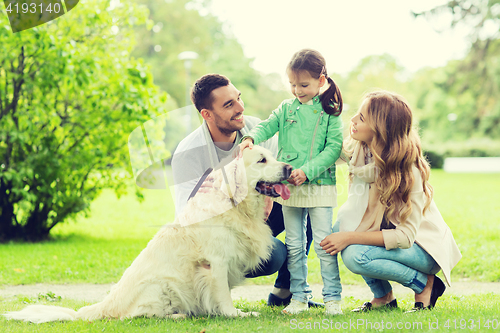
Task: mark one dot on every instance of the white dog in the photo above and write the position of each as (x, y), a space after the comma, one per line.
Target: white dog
(189, 268)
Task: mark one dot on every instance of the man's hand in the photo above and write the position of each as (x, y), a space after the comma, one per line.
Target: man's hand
(336, 242)
(297, 177)
(207, 185)
(268, 208)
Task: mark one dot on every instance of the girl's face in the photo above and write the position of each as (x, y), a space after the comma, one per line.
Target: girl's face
(304, 86)
(360, 130)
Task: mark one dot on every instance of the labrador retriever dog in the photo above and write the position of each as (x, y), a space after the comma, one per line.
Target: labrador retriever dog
(189, 267)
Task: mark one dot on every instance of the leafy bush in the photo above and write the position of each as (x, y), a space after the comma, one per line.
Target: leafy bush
(70, 94)
(436, 154)
(435, 160)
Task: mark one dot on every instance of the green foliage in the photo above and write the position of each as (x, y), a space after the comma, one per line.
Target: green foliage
(373, 72)
(436, 153)
(184, 25)
(468, 89)
(454, 103)
(70, 94)
(457, 103)
(435, 160)
(49, 297)
(441, 112)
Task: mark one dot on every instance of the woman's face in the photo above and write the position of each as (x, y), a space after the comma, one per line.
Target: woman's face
(359, 127)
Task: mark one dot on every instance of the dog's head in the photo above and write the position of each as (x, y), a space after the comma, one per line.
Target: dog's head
(257, 169)
(253, 172)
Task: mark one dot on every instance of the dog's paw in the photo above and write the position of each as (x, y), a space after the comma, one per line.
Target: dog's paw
(230, 312)
(177, 316)
(247, 314)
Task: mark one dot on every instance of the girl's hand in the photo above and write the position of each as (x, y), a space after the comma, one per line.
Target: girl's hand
(297, 177)
(247, 143)
(336, 242)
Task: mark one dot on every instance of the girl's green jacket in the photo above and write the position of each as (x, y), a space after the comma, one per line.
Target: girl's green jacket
(309, 138)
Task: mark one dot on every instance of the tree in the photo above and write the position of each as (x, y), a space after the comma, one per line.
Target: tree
(70, 94)
(187, 25)
(471, 85)
(372, 72)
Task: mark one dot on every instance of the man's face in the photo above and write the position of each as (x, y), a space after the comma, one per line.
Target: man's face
(227, 109)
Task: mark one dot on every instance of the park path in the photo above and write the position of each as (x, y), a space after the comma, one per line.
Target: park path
(96, 292)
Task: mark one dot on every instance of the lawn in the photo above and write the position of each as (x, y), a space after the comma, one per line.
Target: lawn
(454, 314)
(99, 248)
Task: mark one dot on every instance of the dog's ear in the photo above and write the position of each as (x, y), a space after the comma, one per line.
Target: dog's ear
(234, 183)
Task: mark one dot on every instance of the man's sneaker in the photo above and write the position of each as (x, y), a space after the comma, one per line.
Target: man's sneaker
(295, 307)
(274, 300)
(333, 308)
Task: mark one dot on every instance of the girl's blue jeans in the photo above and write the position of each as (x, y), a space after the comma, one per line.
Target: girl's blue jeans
(378, 266)
(295, 227)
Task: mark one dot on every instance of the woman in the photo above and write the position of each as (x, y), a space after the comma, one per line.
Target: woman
(390, 229)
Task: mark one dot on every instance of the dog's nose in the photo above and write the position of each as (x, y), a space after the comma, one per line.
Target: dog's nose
(287, 170)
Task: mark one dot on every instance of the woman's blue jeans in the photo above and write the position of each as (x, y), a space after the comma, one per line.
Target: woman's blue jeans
(378, 266)
(295, 227)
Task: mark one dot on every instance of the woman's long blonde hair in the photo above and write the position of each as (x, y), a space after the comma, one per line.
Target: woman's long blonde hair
(396, 149)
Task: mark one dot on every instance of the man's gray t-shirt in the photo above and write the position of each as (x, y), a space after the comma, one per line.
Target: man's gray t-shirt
(197, 153)
(222, 153)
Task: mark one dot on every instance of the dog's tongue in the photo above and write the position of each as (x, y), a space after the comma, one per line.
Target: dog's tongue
(282, 190)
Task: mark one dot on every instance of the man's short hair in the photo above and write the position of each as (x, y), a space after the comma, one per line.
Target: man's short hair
(201, 93)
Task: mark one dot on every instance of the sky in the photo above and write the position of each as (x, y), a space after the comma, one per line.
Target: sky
(344, 31)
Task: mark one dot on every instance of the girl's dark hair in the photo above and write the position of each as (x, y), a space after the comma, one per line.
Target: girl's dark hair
(313, 62)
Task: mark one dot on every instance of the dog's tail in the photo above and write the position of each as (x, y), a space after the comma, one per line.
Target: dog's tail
(42, 314)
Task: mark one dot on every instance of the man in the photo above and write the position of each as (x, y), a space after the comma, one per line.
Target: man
(211, 146)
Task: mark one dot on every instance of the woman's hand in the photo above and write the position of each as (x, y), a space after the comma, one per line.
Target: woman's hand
(297, 177)
(336, 242)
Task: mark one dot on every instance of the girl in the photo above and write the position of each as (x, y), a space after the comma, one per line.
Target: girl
(310, 139)
(390, 229)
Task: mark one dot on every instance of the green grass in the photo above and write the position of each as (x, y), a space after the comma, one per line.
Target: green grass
(470, 206)
(96, 249)
(99, 248)
(459, 313)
